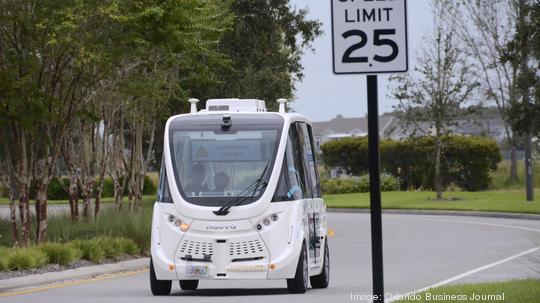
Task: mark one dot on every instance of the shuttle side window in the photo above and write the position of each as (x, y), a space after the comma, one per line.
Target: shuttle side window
(292, 184)
(312, 161)
(297, 146)
(163, 194)
(284, 184)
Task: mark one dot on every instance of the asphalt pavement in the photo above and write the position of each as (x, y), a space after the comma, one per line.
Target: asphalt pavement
(419, 251)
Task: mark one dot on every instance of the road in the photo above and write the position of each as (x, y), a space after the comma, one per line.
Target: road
(419, 251)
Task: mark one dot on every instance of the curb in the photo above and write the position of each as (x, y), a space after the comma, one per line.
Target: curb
(80, 273)
(439, 213)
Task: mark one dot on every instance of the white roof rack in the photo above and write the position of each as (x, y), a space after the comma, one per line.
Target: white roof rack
(235, 105)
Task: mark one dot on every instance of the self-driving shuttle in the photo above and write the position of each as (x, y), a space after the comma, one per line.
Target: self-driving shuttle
(239, 198)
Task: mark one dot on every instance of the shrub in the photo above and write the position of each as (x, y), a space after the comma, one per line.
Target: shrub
(3, 259)
(357, 185)
(149, 187)
(62, 254)
(90, 250)
(127, 246)
(25, 258)
(466, 161)
(108, 188)
(55, 191)
(388, 183)
(110, 247)
(363, 184)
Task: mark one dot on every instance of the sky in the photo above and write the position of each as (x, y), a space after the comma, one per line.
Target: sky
(322, 95)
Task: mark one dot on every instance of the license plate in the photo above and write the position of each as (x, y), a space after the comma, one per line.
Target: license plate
(197, 271)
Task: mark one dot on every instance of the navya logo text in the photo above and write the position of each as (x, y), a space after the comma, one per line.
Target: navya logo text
(221, 227)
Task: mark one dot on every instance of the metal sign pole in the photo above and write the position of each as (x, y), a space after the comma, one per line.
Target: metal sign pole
(375, 189)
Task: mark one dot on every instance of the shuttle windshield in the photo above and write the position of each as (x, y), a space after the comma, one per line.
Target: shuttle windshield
(213, 166)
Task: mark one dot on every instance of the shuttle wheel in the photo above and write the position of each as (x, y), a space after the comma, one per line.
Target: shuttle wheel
(299, 284)
(158, 287)
(189, 284)
(321, 280)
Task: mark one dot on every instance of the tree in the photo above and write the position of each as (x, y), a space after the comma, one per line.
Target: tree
(442, 83)
(44, 63)
(57, 58)
(264, 47)
(485, 27)
(524, 114)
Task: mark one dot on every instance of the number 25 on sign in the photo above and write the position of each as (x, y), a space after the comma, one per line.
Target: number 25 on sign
(369, 36)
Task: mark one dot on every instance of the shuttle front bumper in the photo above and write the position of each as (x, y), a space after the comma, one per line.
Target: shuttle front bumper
(223, 250)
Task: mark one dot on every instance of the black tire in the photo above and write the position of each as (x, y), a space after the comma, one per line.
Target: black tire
(321, 280)
(189, 284)
(158, 287)
(299, 284)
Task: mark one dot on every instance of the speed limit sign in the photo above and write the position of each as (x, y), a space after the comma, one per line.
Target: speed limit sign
(369, 36)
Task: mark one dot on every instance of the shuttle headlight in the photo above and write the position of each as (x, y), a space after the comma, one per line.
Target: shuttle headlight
(267, 221)
(184, 227)
(178, 223)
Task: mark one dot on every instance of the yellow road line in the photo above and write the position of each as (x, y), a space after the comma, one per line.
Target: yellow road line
(71, 283)
(331, 232)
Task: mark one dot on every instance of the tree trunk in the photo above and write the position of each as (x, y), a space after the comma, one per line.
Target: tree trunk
(73, 194)
(97, 200)
(438, 181)
(24, 212)
(13, 214)
(513, 163)
(87, 200)
(117, 195)
(41, 212)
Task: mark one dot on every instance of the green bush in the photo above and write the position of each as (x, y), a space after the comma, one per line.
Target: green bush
(127, 246)
(108, 187)
(110, 247)
(363, 184)
(4, 192)
(62, 254)
(466, 161)
(389, 183)
(90, 250)
(55, 191)
(149, 187)
(3, 259)
(357, 185)
(94, 250)
(25, 258)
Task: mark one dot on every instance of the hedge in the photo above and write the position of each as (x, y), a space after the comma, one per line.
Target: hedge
(357, 184)
(466, 161)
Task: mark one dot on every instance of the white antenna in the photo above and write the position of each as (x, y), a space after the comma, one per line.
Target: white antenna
(282, 105)
(193, 102)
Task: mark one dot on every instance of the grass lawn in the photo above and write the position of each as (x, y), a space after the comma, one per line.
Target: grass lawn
(509, 200)
(498, 201)
(518, 291)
